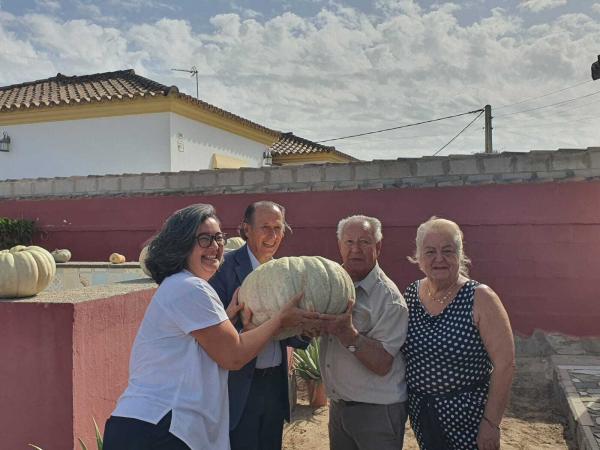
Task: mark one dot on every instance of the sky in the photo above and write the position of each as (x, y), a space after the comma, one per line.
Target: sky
(327, 69)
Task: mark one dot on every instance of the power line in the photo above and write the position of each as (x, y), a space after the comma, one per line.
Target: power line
(541, 96)
(421, 136)
(554, 112)
(550, 105)
(559, 109)
(459, 133)
(537, 122)
(401, 126)
(548, 124)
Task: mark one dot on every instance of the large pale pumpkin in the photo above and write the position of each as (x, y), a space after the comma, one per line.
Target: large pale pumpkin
(327, 287)
(142, 260)
(25, 271)
(234, 243)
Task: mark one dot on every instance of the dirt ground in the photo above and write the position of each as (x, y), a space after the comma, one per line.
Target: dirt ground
(533, 420)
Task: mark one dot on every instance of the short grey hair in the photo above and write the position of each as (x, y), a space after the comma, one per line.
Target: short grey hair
(373, 222)
(437, 223)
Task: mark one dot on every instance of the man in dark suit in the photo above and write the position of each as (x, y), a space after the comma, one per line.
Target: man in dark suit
(258, 393)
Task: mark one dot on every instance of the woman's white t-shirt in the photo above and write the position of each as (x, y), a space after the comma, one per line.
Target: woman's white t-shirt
(170, 371)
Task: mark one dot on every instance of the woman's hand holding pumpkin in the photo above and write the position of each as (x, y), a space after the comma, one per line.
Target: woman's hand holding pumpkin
(234, 307)
(291, 316)
(247, 324)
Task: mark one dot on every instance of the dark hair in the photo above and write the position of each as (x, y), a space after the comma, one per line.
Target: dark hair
(251, 210)
(169, 249)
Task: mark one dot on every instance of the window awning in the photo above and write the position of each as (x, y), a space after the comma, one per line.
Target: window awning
(227, 162)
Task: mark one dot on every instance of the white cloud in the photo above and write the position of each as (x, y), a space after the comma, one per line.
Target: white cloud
(51, 5)
(138, 5)
(88, 9)
(71, 47)
(596, 8)
(247, 13)
(540, 5)
(409, 7)
(343, 72)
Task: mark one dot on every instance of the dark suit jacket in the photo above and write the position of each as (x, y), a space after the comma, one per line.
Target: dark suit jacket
(231, 274)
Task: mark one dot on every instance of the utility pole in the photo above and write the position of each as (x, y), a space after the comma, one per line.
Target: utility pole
(193, 71)
(596, 69)
(488, 129)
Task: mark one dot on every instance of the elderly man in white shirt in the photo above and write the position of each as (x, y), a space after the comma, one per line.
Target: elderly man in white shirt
(361, 363)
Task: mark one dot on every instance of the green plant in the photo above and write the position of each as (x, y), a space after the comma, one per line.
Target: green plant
(99, 442)
(15, 232)
(306, 362)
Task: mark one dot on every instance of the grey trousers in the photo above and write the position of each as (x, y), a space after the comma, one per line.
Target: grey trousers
(365, 426)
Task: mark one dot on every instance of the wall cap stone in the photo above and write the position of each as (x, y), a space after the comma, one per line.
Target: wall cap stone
(536, 166)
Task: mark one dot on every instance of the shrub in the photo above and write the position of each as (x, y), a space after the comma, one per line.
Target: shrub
(15, 232)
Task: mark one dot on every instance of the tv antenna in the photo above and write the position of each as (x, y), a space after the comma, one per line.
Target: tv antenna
(193, 71)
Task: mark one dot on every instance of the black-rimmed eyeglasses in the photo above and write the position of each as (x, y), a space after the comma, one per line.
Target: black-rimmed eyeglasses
(206, 240)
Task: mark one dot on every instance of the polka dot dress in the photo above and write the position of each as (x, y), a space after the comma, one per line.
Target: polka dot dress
(445, 354)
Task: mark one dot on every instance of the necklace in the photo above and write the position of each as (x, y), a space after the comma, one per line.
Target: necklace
(444, 298)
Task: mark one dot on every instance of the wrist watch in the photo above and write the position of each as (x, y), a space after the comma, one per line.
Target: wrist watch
(352, 348)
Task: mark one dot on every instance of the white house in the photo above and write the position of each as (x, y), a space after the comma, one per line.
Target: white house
(120, 122)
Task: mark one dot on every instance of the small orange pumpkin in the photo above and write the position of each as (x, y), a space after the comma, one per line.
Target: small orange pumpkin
(116, 258)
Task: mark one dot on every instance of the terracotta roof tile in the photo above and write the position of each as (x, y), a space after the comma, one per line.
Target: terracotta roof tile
(288, 144)
(125, 85)
(99, 87)
(63, 89)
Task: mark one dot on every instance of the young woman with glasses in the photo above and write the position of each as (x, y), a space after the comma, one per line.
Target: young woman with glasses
(177, 396)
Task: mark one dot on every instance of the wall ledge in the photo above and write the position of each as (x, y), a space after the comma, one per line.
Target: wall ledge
(86, 294)
(440, 171)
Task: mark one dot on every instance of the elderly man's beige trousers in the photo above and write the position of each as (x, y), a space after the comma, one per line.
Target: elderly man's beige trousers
(365, 426)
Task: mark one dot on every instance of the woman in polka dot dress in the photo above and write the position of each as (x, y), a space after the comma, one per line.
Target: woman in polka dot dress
(459, 349)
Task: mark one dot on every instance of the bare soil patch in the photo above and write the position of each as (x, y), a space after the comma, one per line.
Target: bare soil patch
(533, 420)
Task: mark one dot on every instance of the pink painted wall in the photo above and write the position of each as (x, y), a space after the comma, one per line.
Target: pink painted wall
(62, 365)
(35, 374)
(103, 333)
(537, 245)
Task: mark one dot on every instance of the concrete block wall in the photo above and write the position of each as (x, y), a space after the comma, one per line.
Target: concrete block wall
(442, 171)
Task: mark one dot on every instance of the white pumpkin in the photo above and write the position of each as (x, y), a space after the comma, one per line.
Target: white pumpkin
(25, 271)
(142, 259)
(116, 258)
(327, 287)
(234, 243)
(61, 256)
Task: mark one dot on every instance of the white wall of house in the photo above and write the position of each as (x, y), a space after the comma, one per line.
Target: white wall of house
(194, 143)
(150, 143)
(98, 146)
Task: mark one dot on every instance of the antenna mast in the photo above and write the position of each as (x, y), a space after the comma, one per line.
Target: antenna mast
(194, 72)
